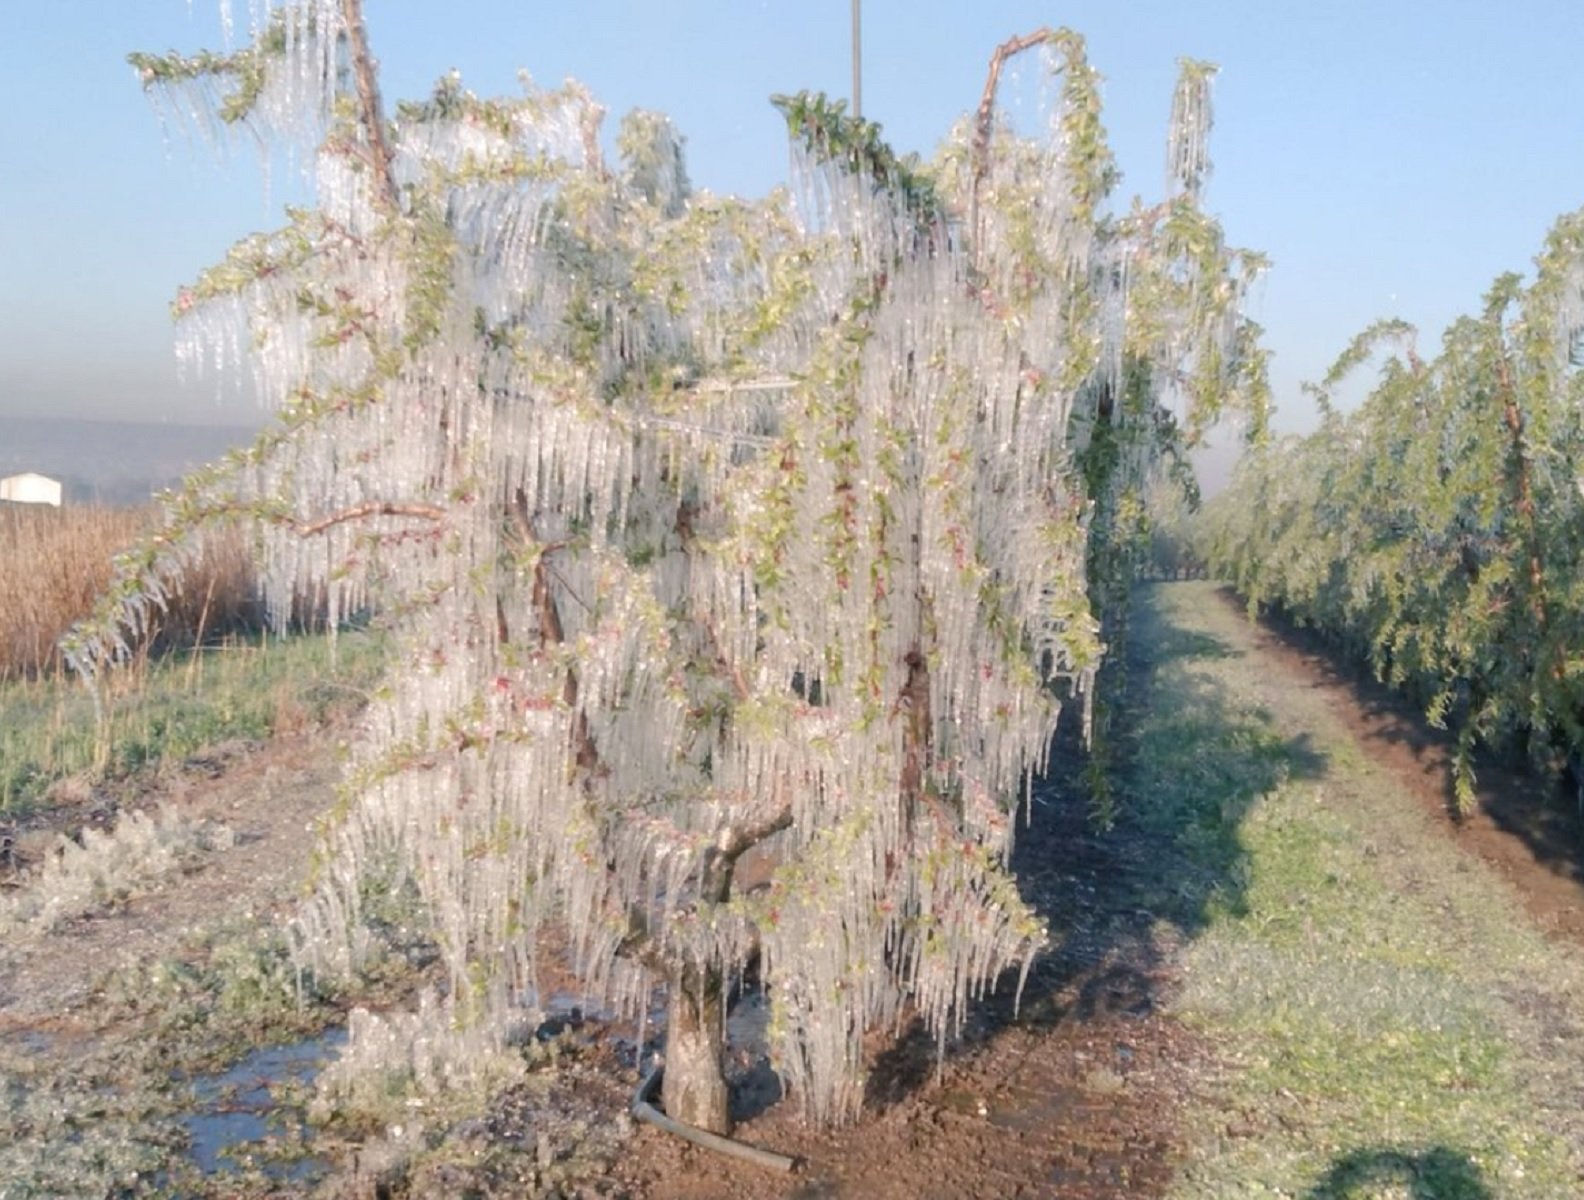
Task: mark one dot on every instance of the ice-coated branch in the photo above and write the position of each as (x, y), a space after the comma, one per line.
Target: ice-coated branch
(360, 512)
(1188, 137)
(984, 115)
(855, 146)
(372, 118)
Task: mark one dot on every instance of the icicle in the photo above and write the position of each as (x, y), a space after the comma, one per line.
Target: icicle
(1187, 146)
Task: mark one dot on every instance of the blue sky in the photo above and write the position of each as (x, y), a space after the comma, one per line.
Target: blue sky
(1391, 158)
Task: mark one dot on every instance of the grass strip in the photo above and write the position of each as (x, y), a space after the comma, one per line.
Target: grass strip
(1391, 1023)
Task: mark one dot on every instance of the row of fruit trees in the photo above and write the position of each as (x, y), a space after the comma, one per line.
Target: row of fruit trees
(1435, 531)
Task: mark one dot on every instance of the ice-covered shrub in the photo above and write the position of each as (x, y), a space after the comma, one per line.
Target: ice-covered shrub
(141, 852)
(393, 1061)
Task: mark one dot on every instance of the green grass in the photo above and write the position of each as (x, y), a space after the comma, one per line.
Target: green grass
(173, 708)
(1388, 1023)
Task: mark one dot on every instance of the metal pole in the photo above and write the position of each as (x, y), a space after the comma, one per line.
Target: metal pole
(857, 55)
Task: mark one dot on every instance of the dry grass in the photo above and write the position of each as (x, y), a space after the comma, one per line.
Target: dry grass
(55, 562)
(54, 565)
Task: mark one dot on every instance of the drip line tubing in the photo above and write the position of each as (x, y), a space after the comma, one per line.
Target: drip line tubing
(645, 1111)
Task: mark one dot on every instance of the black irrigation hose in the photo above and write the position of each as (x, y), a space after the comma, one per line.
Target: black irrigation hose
(643, 1110)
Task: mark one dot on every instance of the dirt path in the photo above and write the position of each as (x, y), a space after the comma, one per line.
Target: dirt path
(1397, 999)
(111, 1020)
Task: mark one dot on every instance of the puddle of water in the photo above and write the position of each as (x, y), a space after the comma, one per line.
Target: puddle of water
(560, 1011)
(755, 1087)
(748, 1024)
(237, 1106)
(566, 1010)
(576, 1008)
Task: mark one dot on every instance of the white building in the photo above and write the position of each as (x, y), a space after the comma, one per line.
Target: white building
(29, 488)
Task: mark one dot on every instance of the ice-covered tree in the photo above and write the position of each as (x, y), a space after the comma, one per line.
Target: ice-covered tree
(736, 550)
(1433, 530)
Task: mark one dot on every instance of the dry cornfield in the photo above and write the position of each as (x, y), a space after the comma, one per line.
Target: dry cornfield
(55, 562)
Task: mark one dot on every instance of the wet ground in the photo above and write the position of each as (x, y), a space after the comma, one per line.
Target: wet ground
(1082, 1094)
(1078, 1092)
(1072, 1092)
(241, 1106)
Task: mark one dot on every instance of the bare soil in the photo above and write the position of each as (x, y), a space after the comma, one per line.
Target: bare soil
(1073, 1095)
(268, 795)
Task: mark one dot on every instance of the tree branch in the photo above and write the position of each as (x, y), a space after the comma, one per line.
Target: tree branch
(373, 118)
(720, 860)
(738, 840)
(589, 127)
(985, 116)
(715, 885)
(739, 683)
(374, 508)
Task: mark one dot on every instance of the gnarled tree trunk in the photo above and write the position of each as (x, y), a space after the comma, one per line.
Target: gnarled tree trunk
(694, 1087)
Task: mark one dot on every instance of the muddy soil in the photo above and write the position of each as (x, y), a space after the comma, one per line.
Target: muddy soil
(1073, 1095)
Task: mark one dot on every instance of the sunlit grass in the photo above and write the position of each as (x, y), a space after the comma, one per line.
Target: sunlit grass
(1384, 1012)
(165, 711)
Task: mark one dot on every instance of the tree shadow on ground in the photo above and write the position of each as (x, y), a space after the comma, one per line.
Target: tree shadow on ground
(1190, 762)
(1434, 1174)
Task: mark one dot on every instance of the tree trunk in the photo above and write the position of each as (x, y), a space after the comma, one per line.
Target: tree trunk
(694, 1086)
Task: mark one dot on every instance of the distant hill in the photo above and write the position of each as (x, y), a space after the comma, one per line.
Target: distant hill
(112, 462)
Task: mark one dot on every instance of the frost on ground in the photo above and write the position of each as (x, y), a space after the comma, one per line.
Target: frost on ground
(143, 851)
